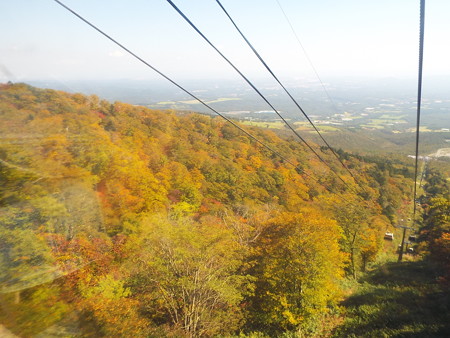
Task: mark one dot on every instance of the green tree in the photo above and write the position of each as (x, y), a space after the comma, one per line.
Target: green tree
(354, 218)
(189, 272)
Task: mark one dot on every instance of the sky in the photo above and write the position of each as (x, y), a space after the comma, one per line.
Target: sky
(369, 38)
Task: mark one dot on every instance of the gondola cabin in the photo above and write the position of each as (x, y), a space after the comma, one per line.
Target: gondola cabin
(389, 236)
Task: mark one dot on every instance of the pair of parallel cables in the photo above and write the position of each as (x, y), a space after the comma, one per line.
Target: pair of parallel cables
(257, 91)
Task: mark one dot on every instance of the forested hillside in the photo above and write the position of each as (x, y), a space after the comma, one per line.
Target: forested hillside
(117, 220)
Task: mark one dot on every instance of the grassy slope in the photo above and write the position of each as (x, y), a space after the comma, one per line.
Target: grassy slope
(397, 300)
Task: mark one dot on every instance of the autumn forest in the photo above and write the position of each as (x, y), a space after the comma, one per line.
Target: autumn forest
(121, 221)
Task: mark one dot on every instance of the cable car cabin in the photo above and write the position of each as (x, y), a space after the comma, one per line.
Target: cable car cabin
(412, 238)
(389, 236)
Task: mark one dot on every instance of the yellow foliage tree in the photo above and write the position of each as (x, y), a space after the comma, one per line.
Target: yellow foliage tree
(300, 263)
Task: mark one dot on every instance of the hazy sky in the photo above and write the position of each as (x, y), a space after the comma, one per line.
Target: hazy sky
(41, 40)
